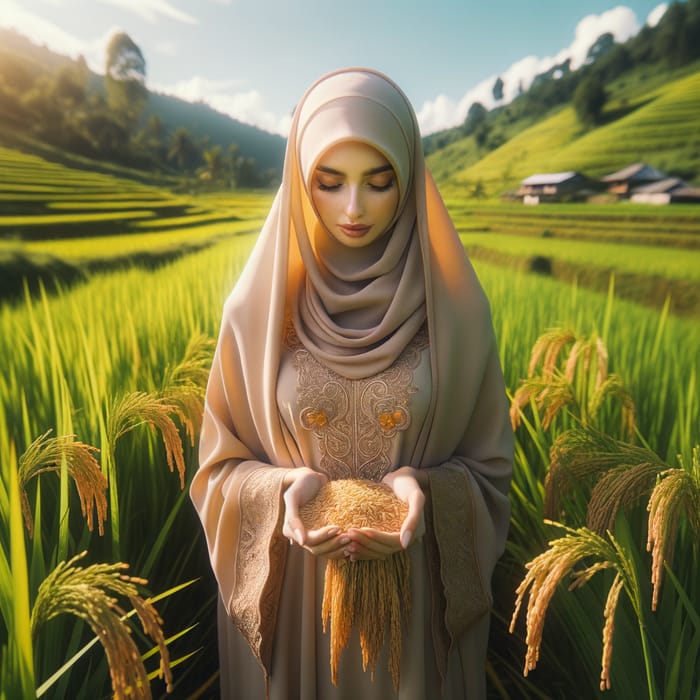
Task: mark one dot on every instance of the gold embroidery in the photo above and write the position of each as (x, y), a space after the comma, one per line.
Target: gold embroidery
(355, 420)
(260, 561)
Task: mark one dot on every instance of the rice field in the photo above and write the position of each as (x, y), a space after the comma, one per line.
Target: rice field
(133, 339)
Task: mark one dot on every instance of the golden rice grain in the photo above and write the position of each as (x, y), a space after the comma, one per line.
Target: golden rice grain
(373, 594)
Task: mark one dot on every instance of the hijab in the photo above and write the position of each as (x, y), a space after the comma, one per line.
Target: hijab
(356, 309)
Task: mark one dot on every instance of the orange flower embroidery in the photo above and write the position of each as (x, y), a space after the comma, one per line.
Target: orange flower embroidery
(315, 419)
(394, 419)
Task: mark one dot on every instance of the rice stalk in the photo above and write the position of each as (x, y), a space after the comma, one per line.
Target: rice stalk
(618, 473)
(139, 408)
(46, 454)
(547, 571)
(609, 629)
(372, 594)
(88, 593)
(677, 492)
(184, 384)
(579, 381)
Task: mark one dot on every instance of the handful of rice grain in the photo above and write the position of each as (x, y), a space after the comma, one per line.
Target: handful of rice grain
(374, 594)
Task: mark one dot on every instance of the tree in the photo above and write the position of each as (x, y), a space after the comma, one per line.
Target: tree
(125, 77)
(214, 164)
(589, 99)
(476, 114)
(602, 45)
(482, 133)
(498, 89)
(676, 41)
(182, 149)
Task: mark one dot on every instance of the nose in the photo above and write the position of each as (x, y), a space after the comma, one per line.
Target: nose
(354, 206)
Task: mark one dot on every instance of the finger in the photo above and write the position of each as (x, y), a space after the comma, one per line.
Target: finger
(294, 529)
(363, 553)
(331, 548)
(374, 541)
(322, 535)
(413, 519)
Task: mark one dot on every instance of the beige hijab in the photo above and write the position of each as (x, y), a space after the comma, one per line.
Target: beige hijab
(356, 309)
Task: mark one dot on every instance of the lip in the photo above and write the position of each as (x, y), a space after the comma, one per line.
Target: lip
(354, 230)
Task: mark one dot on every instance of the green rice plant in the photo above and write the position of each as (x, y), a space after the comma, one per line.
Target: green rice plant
(670, 638)
(581, 385)
(662, 261)
(676, 495)
(68, 355)
(592, 479)
(87, 592)
(548, 570)
(17, 665)
(608, 474)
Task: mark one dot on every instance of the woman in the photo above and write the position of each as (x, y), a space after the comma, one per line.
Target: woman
(356, 343)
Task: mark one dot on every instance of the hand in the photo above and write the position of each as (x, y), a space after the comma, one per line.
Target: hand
(368, 543)
(303, 484)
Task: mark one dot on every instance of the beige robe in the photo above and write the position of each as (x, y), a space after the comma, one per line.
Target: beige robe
(271, 605)
(356, 312)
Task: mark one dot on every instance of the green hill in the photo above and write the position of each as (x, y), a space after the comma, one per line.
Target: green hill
(647, 119)
(26, 68)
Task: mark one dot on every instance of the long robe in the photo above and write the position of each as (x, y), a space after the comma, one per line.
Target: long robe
(357, 312)
(270, 616)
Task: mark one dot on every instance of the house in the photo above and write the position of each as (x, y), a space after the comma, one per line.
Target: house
(686, 195)
(658, 192)
(636, 175)
(555, 187)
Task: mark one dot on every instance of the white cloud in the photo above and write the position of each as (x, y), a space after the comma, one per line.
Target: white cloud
(444, 112)
(152, 10)
(228, 97)
(621, 22)
(44, 32)
(656, 14)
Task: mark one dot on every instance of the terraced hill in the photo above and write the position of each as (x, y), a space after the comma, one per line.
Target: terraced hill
(660, 126)
(63, 222)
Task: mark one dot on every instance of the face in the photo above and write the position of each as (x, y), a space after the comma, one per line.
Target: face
(355, 193)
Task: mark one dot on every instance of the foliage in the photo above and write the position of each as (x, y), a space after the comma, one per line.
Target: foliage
(57, 101)
(589, 99)
(596, 483)
(125, 76)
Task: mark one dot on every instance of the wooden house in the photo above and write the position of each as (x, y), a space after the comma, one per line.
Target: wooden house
(555, 187)
(658, 192)
(624, 181)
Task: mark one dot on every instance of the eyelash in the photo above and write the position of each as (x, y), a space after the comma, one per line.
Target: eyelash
(375, 188)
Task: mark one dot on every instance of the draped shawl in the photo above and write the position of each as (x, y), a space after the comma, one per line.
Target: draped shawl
(355, 310)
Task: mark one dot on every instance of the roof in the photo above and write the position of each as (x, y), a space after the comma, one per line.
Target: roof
(635, 172)
(687, 192)
(550, 178)
(668, 184)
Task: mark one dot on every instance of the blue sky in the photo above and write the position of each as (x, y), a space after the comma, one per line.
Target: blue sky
(254, 58)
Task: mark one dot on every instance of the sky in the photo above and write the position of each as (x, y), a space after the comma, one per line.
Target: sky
(253, 59)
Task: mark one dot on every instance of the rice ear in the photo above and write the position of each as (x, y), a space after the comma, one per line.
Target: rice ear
(374, 594)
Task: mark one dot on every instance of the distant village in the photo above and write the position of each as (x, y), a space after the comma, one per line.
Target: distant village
(638, 183)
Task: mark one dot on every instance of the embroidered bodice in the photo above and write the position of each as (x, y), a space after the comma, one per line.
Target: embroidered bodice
(353, 428)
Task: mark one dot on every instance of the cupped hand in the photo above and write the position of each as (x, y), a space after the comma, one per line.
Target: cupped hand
(368, 543)
(303, 484)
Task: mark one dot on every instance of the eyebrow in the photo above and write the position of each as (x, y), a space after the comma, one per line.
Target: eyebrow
(373, 171)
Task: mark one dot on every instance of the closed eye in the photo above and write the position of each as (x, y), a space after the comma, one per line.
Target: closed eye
(328, 188)
(381, 188)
